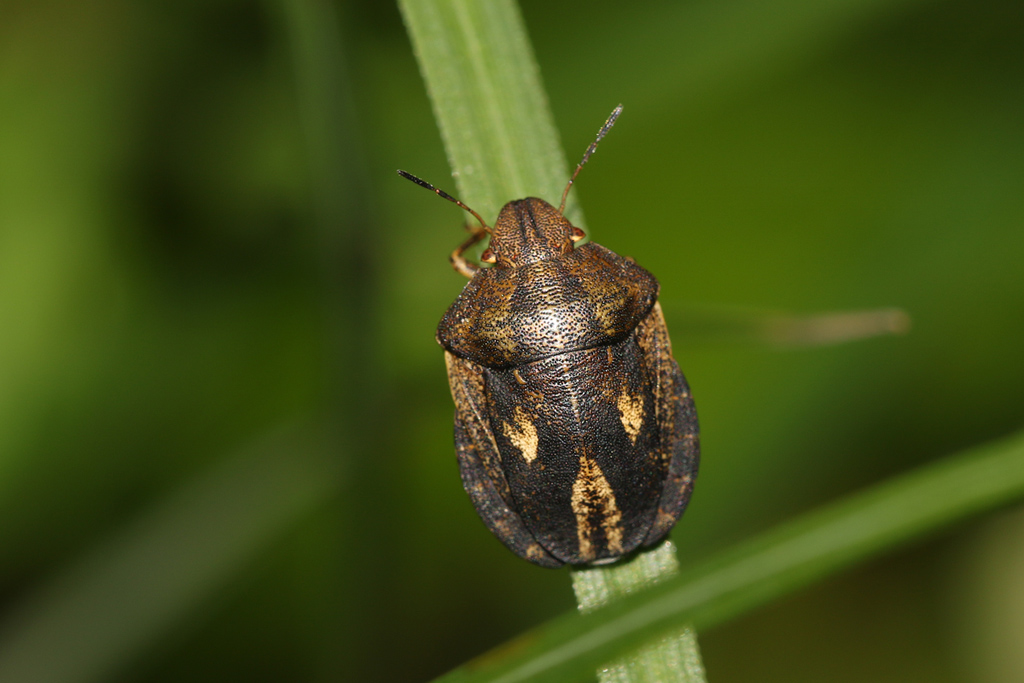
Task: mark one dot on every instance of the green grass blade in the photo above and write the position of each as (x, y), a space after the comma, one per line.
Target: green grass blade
(568, 648)
(489, 103)
(502, 144)
(673, 659)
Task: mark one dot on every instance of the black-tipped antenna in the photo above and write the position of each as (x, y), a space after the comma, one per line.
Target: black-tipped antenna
(442, 193)
(590, 150)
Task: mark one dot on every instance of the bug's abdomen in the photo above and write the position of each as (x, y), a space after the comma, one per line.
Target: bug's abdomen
(579, 444)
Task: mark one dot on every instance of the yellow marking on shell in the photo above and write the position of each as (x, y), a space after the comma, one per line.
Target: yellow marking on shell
(493, 325)
(534, 551)
(523, 435)
(659, 323)
(631, 413)
(464, 384)
(519, 378)
(664, 521)
(592, 497)
(604, 309)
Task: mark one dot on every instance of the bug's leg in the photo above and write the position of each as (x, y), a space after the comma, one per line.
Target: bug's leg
(480, 466)
(677, 423)
(459, 262)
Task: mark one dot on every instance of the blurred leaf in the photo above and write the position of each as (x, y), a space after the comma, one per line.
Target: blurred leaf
(783, 330)
(92, 617)
(322, 84)
(800, 552)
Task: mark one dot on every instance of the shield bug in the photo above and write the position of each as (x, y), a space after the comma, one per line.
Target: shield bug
(575, 431)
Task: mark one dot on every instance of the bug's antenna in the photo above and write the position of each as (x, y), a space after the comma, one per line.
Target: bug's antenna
(445, 195)
(590, 150)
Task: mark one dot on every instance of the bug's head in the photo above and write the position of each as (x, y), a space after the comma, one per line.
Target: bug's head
(529, 230)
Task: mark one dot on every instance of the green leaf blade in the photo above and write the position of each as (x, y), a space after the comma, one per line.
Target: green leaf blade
(568, 648)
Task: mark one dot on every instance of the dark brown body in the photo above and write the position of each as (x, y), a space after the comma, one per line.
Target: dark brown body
(576, 433)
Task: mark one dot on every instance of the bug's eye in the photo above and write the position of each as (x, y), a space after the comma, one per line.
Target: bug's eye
(577, 234)
(488, 256)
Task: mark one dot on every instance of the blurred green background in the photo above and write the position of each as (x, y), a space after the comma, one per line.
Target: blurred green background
(225, 428)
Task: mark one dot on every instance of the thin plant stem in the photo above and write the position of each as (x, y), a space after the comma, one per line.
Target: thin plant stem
(502, 144)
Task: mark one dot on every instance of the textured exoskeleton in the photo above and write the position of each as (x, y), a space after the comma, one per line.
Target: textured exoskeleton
(576, 434)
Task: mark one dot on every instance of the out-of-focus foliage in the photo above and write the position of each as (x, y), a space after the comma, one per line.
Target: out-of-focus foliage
(174, 288)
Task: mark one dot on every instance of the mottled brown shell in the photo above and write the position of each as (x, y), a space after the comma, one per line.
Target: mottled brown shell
(580, 457)
(507, 316)
(575, 431)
